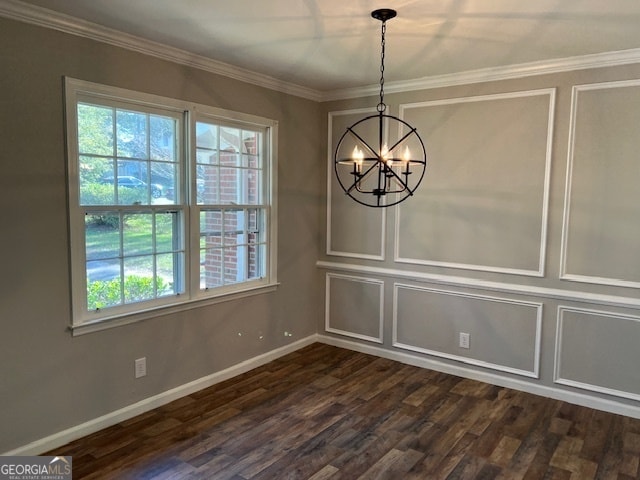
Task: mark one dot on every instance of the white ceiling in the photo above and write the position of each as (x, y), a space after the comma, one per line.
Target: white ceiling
(328, 45)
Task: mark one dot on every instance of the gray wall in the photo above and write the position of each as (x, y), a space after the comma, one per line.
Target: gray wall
(51, 381)
(524, 234)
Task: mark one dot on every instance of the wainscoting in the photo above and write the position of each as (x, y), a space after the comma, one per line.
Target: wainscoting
(523, 237)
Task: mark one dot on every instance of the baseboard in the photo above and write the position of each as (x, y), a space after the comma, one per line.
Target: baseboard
(576, 398)
(61, 438)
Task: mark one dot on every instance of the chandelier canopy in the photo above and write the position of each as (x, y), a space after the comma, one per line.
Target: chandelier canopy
(367, 168)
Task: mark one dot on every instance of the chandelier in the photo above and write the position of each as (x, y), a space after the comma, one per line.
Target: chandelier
(367, 168)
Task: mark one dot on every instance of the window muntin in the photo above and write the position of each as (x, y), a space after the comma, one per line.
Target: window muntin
(136, 256)
(137, 198)
(233, 211)
(232, 246)
(126, 157)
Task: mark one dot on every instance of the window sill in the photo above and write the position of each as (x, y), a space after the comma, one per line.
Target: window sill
(127, 319)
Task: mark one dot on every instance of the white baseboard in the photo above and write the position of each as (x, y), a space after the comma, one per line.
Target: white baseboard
(62, 438)
(576, 398)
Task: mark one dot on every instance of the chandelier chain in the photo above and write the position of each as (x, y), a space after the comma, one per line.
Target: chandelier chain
(381, 106)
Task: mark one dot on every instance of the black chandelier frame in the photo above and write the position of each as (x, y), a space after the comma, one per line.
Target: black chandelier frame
(395, 175)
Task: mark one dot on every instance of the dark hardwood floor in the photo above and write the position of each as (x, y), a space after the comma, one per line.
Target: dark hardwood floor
(329, 413)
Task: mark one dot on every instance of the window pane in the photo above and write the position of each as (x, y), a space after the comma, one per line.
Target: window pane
(206, 136)
(211, 229)
(206, 156)
(229, 192)
(235, 264)
(234, 227)
(163, 180)
(230, 158)
(102, 235)
(128, 169)
(104, 284)
(208, 185)
(131, 131)
(257, 254)
(95, 129)
(167, 232)
(137, 236)
(172, 188)
(207, 144)
(242, 257)
(132, 191)
(167, 266)
(251, 149)
(93, 188)
(230, 146)
(211, 268)
(253, 184)
(211, 255)
(162, 138)
(139, 281)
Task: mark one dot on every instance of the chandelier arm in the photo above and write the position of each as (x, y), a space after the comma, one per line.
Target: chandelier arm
(397, 178)
(363, 176)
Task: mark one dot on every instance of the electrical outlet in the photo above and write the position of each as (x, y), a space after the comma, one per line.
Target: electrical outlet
(141, 367)
(464, 340)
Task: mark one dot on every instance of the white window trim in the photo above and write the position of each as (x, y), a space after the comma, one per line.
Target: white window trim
(81, 321)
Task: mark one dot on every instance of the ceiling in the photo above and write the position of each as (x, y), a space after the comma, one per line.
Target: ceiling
(329, 45)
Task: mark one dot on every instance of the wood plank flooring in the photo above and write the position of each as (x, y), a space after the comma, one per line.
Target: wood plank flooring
(328, 413)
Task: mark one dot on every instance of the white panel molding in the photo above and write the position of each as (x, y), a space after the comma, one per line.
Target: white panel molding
(557, 370)
(533, 373)
(352, 278)
(524, 385)
(551, 92)
(44, 17)
(65, 436)
(528, 290)
(564, 274)
(330, 173)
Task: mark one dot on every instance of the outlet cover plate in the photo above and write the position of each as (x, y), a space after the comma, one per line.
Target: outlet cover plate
(141, 367)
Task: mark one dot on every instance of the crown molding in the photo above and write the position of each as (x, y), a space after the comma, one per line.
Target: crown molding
(544, 67)
(17, 10)
(43, 17)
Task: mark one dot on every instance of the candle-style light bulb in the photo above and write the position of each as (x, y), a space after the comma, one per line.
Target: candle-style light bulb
(358, 156)
(407, 155)
(385, 155)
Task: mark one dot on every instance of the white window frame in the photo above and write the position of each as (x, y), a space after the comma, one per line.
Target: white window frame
(84, 320)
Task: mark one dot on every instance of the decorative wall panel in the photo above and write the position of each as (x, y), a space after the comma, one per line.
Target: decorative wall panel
(354, 306)
(352, 229)
(504, 333)
(483, 203)
(602, 205)
(598, 351)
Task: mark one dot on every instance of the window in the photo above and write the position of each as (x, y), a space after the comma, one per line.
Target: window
(170, 204)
